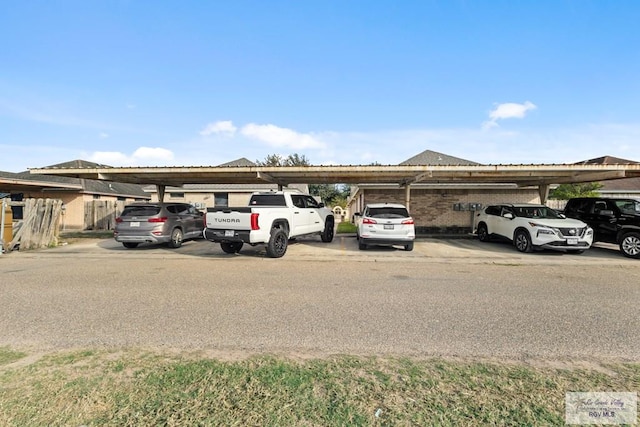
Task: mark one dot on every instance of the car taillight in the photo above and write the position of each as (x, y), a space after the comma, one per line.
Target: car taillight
(254, 221)
(161, 219)
(408, 221)
(119, 219)
(369, 221)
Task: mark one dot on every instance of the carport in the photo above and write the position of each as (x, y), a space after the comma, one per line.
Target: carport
(541, 176)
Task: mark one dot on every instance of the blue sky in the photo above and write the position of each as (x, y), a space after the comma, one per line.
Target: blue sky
(160, 83)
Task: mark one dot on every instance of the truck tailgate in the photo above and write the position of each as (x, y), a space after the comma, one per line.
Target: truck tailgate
(229, 218)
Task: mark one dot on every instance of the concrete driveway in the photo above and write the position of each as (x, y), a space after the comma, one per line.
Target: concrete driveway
(452, 298)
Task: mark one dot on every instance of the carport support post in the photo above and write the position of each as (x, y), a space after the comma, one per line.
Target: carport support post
(407, 197)
(161, 189)
(543, 192)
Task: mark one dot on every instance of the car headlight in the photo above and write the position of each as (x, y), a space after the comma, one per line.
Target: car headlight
(548, 231)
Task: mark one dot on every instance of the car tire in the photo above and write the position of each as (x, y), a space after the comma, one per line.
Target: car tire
(176, 238)
(408, 246)
(327, 233)
(361, 245)
(522, 241)
(231, 247)
(630, 245)
(277, 245)
(130, 245)
(483, 232)
(577, 251)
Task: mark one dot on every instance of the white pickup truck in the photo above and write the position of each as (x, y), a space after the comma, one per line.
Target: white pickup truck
(272, 218)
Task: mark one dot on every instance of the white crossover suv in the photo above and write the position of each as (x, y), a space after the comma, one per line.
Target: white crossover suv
(386, 224)
(531, 226)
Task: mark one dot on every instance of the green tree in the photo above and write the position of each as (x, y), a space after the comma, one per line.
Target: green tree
(278, 160)
(567, 191)
(331, 194)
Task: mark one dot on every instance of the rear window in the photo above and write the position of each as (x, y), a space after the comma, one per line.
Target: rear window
(141, 211)
(388, 212)
(267, 200)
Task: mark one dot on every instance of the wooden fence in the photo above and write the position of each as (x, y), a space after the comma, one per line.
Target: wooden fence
(101, 214)
(39, 226)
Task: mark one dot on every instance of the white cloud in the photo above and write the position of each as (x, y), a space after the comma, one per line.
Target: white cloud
(143, 156)
(219, 127)
(104, 135)
(148, 153)
(279, 137)
(509, 110)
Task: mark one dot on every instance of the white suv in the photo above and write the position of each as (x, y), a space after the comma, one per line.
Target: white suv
(531, 226)
(385, 224)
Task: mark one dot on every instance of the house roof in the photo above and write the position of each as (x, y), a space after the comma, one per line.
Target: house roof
(607, 160)
(629, 185)
(428, 157)
(242, 161)
(23, 181)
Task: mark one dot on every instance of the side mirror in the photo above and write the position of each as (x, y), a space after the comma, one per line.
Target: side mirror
(321, 205)
(508, 215)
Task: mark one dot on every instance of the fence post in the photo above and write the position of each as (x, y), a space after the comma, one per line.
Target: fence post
(2, 223)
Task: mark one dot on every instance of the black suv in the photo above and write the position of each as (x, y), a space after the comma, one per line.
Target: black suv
(613, 220)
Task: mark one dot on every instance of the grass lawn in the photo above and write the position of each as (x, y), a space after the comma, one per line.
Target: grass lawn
(346, 227)
(139, 388)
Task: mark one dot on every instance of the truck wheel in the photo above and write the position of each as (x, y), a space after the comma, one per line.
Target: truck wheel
(522, 241)
(277, 245)
(176, 238)
(231, 247)
(327, 233)
(630, 245)
(130, 245)
(483, 233)
(408, 246)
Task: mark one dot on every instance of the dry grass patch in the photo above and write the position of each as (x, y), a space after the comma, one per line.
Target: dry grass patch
(134, 388)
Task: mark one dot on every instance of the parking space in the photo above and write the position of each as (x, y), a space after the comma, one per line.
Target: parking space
(345, 248)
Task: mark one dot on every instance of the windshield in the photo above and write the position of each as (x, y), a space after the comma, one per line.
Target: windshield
(628, 206)
(536, 212)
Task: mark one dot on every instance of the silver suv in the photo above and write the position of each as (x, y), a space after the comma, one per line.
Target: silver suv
(170, 223)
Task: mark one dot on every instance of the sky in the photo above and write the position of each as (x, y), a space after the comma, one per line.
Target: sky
(350, 82)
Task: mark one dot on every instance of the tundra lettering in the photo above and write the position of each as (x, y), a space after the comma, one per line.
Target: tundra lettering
(226, 220)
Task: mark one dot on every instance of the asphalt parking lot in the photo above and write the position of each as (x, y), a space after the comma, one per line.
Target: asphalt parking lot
(448, 297)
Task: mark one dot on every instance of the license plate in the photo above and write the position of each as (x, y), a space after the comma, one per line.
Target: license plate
(134, 224)
(572, 241)
(228, 233)
(388, 226)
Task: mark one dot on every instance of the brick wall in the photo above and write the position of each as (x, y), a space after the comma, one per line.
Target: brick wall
(433, 210)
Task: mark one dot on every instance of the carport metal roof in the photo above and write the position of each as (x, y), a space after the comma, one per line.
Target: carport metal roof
(403, 175)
